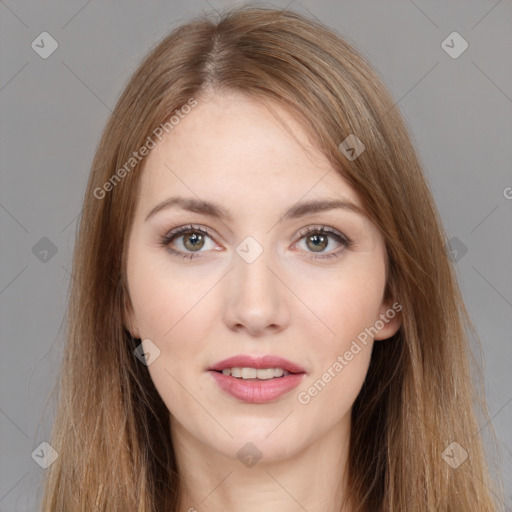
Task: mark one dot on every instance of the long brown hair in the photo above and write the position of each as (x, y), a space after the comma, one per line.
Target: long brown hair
(112, 429)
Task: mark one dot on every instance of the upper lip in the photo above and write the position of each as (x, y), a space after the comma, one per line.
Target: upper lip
(258, 362)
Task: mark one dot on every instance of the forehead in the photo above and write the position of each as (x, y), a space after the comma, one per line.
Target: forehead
(232, 147)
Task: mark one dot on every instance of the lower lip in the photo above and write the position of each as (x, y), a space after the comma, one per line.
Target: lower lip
(257, 392)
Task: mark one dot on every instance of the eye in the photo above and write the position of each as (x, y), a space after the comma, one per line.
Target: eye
(317, 238)
(194, 238)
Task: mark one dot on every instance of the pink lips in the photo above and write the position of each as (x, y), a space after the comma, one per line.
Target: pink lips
(244, 361)
(257, 391)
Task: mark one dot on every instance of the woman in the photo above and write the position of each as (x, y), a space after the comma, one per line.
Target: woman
(263, 312)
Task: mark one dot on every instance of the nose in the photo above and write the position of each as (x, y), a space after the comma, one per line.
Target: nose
(256, 297)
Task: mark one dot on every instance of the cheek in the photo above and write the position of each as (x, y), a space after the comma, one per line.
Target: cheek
(170, 311)
(162, 299)
(155, 304)
(343, 304)
(348, 307)
(174, 309)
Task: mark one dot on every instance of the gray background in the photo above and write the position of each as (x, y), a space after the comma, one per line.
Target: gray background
(53, 111)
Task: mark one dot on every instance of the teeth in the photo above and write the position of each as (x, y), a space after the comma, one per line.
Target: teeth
(253, 373)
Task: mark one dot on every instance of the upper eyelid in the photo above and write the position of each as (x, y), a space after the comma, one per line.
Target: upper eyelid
(323, 228)
(184, 229)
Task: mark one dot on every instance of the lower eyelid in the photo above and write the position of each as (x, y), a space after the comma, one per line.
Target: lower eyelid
(341, 239)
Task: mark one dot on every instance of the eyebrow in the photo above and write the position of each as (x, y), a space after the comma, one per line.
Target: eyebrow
(217, 211)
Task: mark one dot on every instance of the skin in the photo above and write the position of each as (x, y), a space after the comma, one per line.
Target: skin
(233, 150)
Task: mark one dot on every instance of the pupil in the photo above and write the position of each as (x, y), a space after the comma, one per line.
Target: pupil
(318, 238)
(196, 237)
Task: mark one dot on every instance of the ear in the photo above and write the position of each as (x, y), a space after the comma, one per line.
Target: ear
(390, 319)
(129, 317)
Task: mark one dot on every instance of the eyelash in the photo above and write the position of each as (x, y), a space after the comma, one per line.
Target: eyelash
(183, 230)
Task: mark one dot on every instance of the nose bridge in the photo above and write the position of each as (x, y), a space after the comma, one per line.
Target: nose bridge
(256, 297)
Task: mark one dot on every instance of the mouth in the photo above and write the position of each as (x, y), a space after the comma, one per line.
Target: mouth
(256, 374)
(257, 379)
(243, 366)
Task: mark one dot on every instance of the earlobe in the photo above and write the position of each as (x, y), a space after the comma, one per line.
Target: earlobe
(389, 321)
(132, 329)
(128, 322)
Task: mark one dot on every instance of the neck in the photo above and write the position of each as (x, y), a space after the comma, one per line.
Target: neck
(313, 479)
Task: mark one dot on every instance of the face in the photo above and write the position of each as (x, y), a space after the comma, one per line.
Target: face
(306, 286)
